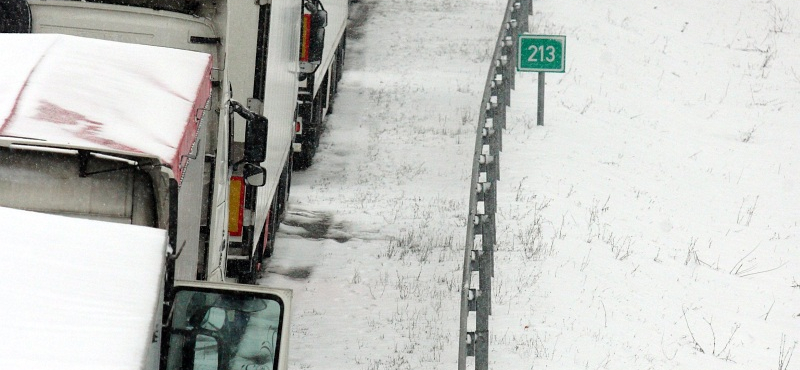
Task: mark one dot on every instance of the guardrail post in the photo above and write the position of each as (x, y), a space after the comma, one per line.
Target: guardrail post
(498, 104)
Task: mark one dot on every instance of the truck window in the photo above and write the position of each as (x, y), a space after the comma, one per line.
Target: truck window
(213, 331)
(50, 182)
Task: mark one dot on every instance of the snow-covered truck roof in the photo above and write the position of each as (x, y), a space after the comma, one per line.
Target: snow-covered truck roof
(77, 294)
(73, 92)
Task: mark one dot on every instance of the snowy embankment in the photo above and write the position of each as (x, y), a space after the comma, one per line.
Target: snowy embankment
(651, 223)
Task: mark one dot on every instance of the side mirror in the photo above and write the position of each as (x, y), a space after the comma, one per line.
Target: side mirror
(254, 175)
(255, 140)
(319, 21)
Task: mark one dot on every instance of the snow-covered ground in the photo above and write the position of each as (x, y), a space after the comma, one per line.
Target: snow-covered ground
(652, 223)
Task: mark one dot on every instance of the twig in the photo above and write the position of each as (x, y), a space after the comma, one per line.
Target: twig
(766, 315)
(785, 354)
(759, 272)
(696, 344)
(713, 337)
(738, 266)
(733, 332)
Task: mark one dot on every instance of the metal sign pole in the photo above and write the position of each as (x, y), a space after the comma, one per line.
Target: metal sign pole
(540, 109)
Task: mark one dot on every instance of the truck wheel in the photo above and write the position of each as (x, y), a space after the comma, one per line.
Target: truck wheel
(251, 275)
(282, 195)
(267, 247)
(303, 159)
(319, 117)
(273, 230)
(332, 82)
(311, 135)
(325, 94)
(340, 61)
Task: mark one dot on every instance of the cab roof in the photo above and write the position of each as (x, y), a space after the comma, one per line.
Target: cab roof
(78, 294)
(80, 93)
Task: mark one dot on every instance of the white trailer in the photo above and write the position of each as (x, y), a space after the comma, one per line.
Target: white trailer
(254, 47)
(320, 73)
(101, 159)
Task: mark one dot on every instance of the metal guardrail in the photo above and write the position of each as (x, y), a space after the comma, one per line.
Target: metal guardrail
(481, 228)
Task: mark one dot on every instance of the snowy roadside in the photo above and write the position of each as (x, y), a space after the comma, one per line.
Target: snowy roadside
(373, 243)
(653, 221)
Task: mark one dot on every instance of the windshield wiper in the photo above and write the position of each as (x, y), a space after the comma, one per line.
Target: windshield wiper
(22, 137)
(83, 163)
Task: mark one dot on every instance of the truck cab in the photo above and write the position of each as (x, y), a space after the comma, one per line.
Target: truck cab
(92, 294)
(102, 154)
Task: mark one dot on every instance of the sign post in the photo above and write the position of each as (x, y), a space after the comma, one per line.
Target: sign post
(541, 53)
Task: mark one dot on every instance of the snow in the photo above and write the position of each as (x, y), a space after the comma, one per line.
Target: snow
(651, 223)
(102, 95)
(77, 294)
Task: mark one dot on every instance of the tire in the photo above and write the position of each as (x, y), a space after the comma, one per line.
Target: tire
(308, 138)
(318, 116)
(305, 157)
(15, 16)
(311, 135)
(273, 231)
(283, 190)
(251, 275)
(325, 92)
(340, 60)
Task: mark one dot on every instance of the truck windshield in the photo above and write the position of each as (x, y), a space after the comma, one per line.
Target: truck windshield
(213, 331)
(179, 6)
(50, 182)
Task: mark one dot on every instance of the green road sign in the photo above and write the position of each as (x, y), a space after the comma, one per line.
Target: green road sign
(541, 53)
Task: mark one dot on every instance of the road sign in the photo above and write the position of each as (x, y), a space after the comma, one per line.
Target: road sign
(541, 53)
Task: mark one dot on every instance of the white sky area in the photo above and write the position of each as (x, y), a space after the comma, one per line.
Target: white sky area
(651, 223)
(99, 94)
(77, 294)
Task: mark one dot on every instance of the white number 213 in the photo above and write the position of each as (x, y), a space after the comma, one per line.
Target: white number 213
(545, 54)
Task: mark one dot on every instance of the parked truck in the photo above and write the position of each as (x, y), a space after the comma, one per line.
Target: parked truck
(321, 63)
(254, 47)
(76, 303)
(101, 171)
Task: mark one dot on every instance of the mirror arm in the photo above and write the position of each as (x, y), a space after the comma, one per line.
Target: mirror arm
(242, 111)
(237, 164)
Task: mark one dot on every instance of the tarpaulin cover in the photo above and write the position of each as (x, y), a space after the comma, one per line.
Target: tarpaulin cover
(107, 96)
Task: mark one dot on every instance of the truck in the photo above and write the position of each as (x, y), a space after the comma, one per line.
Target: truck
(76, 303)
(320, 74)
(255, 51)
(101, 171)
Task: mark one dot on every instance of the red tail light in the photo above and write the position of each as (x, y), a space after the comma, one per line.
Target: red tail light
(305, 41)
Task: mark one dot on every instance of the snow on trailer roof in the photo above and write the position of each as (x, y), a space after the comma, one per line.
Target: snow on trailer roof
(113, 97)
(77, 294)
